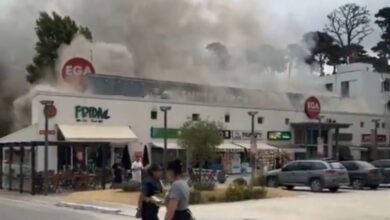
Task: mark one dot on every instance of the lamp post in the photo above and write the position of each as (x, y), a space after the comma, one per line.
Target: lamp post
(374, 139)
(165, 109)
(46, 105)
(252, 114)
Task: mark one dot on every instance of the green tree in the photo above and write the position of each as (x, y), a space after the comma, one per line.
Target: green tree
(200, 138)
(383, 46)
(52, 32)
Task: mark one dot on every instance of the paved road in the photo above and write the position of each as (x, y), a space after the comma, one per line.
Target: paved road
(13, 209)
(345, 205)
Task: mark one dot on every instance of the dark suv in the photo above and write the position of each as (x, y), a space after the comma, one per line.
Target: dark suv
(384, 166)
(363, 174)
(317, 174)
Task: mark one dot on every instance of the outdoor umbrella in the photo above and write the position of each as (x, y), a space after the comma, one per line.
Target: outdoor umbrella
(126, 162)
(145, 158)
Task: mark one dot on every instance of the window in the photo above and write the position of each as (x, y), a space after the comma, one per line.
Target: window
(260, 120)
(388, 106)
(350, 166)
(290, 167)
(337, 165)
(195, 117)
(382, 163)
(383, 125)
(318, 166)
(305, 166)
(227, 118)
(286, 121)
(153, 114)
(362, 124)
(345, 89)
(329, 87)
(386, 85)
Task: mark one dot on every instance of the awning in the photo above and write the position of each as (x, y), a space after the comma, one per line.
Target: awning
(96, 133)
(27, 134)
(229, 147)
(170, 145)
(260, 145)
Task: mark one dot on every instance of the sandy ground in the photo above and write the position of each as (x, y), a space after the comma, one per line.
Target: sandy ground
(117, 196)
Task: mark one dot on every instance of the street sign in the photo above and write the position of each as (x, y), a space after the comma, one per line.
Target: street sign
(312, 107)
(279, 135)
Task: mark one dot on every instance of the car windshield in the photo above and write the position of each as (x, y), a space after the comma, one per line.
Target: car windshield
(365, 165)
(337, 165)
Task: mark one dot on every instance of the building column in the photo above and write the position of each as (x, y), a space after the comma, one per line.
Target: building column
(330, 143)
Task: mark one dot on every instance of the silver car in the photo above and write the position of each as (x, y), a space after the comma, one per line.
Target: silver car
(317, 174)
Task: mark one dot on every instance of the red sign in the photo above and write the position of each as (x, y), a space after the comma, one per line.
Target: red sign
(76, 70)
(50, 132)
(312, 107)
(51, 111)
(380, 138)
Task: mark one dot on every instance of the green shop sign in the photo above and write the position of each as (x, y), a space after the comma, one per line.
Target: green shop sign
(90, 114)
(279, 135)
(159, 133)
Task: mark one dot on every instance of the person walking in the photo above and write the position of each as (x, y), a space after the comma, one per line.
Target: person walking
(136, 169)
(177, 199)
(148, 202)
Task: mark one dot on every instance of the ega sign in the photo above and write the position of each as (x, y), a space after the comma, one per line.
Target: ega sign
(90, 113)
(76, 70)
(312, 107)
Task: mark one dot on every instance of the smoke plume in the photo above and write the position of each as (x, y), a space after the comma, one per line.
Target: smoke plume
(217, 42)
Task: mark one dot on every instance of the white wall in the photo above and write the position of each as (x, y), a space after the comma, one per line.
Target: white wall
(136, 113)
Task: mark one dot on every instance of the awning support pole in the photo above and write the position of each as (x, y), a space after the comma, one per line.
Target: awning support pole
(32, 169)
(10, 158)
(103, 167)
(1, 167)
(21, 174)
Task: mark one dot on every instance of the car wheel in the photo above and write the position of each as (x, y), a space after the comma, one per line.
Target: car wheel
(357, 184)
(374, 187)
(272, 182)
(334, 189)
(316, 185)
(289, 187)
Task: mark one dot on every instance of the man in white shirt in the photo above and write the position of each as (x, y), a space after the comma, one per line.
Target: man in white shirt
(137, 168)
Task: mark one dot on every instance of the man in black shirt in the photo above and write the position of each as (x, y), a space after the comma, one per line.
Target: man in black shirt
(151, 186)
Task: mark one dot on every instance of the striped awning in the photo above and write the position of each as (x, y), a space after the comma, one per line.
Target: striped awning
(229, 147)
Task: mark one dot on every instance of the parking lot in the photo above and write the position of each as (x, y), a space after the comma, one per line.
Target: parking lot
(344, 205)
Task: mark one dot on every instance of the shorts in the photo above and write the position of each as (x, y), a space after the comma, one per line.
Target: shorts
(183, 215)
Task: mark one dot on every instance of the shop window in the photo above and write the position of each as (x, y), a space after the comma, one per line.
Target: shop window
(227, 118)
(329, 87)
(386, 85)
(260, 120)
(345, 89)
(383, 125)
(362, 124)
(388, 106)
(153, 114)
(195, 117)
(287, 121)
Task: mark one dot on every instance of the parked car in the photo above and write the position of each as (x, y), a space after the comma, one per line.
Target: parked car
(317, 174)
(363, 174)
(384, 166)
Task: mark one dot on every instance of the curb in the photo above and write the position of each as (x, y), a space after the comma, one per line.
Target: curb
(93, 208)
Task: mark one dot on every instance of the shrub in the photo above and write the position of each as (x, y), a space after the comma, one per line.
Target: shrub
(132, 186)
(259, 181)
(240, 182)
(195, 197)
(237, 192)
(259, 193)
(234, 192)
(204, 186)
